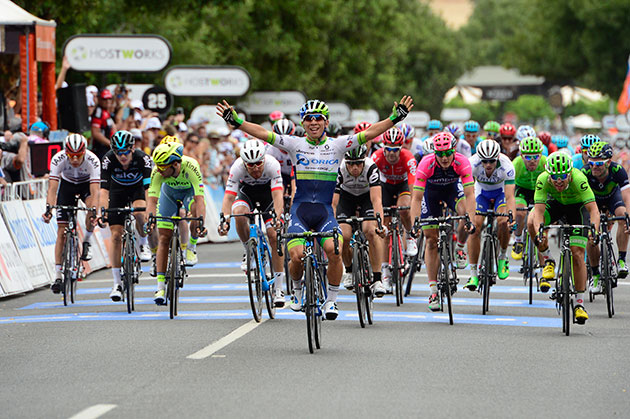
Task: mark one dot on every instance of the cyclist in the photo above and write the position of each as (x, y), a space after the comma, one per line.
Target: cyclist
(125, 178)
(492, 130)
(284, 127)
(358, 190)
(75, 173)
(444, 176)
(409, 133)
(471, 134)
(275, 116)
(371, 145)
(255, 179)
(609, 182)
(507, 132)
(527, 167)
(462, 147)
(562, 192)
(397, 168)
(433, 127)
(562, 142)
(494, 189)
(334, 129)
(548, 146)
(317, 160)
(175, 177)
(580, 160)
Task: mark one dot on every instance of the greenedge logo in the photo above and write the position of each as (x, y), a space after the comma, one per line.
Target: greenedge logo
(206, 81)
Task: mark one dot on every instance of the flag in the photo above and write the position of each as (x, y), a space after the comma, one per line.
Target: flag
(623, 104)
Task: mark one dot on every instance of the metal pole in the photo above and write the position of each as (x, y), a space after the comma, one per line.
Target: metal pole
(28, 84)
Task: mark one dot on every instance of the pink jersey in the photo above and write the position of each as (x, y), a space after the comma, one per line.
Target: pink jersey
(403, 171)
(431, 175)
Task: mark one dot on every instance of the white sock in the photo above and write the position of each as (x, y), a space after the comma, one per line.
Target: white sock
(87, 236)
(57, 271)
(579, 299)
(460, 246)
(519, 238)
(503, 253)
(116, 274)
(473, 269)
(144, 241)
(433, 287)
(333, 290)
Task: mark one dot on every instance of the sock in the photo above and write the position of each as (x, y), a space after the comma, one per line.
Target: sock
(57, 271)
(154, 250)
(184, 246)
(433, 286)
(519, 239)
(144, 241)
(297, 285)
(503, 253)
(377, 276)
(473, 269)
(460, 246)
(86, 237)
(349, 269)
(333, 290)
(595, 270)
(116, 275)
(622, 256)
(384, 267)
(193, 243)
(161, 281)
(546, 254)
(579, 299)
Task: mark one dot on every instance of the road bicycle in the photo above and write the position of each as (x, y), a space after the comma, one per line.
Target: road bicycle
(531, 262)
(396, 258)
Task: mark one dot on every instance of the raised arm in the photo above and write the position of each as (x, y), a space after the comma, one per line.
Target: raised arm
(399, 112)
(227, 112)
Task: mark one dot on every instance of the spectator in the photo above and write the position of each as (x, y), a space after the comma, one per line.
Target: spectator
(91, 94)
(39, 132)
(103, 126)
(14, 161)
(191, 146)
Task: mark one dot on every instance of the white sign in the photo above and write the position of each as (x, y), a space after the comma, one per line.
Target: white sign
(135, 91)
(207, 113)
(608, 121)
(117, 53)
(13, 275)
(45, 234)
(339, 111)
(262, 103)
(363, 115)
(455, 114)
(207, 81)
(417, 119)
(622, 123)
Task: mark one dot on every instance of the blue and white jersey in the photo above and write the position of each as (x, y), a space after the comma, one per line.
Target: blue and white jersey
(578, 163)
(316, 165)
(463, 148)
(502, 175)
(416, 146)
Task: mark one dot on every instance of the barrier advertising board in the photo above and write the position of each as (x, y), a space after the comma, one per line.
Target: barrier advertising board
(45, 234)
(339, 111)
(207, 81)
(262, 103)
(13, 274)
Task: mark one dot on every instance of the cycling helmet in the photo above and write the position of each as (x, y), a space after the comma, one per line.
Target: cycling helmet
(492, 126)
(588, 140)
(170, 139)
(276, 116)
(544, 137)
(507, 130)
(530, 145)
(75, 144)
(435, 124)
(443, 141)
(313, 107)
(41, 128)
(600, 150)
(299, 131)
(559, 163)
(284, 127)
(168, 153)
(361, 126)
(488, 150)
(408, 131)
(334, 129)
(253, 151)
(471, 126)
(427, 147)
(560, 140)
(525, 131)
(358, 153)
(393, 137)
(122, 140)
(454, 129)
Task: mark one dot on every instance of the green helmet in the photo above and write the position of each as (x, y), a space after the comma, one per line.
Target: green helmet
(531, 145)
(167, 153)
(355, 154)
(492, 126)
(314, 107)
(559, 163)
(600, 150)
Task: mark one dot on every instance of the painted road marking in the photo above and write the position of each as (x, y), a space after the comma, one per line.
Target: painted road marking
(94, 412)
(226, 340)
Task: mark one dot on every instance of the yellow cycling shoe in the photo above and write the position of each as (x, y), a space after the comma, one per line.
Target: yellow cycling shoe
(581, 316)
(549, 271)
(517, 251)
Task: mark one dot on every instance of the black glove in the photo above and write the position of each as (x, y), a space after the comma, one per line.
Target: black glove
(399, 112)
(231, 117)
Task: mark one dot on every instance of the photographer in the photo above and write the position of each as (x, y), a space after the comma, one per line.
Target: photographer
(14, 158)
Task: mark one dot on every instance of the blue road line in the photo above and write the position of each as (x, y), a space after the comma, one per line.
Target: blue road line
(213, 265)
(287, 314)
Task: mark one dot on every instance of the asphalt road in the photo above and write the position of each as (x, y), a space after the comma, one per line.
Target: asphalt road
(92, 358)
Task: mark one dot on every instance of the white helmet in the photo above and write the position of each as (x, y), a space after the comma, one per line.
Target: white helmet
(488, 150)
(75, 143)
(427, 147)
(253, 151)
(525, 131)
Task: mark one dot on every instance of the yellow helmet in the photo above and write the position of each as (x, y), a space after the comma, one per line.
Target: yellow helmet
(170, 139)
(167, 153)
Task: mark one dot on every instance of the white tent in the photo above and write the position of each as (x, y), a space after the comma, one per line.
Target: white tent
(12, 14)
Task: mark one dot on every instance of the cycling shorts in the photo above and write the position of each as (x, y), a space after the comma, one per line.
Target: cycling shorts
(524, 196)
(286, 183)
(490, 199)
(69, 194)
(167, 204)
(350, 204)
(610, 203)
(311, 216)
(569, 214)
(433, 197)
(253, 197)
(120, 198)
(392, 191)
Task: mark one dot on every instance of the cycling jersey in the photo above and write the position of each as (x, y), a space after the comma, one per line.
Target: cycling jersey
(617, 179)
(577, 192)
(102, 120)
(463, 148)
(416, 147)
(361, 184)
(88, 171)
(115, 178)
(430, 175)
(189, 177)
(578, 162)
(523, 177)
(239, 177)
(502, 175)
(402, 171)
(286, 167)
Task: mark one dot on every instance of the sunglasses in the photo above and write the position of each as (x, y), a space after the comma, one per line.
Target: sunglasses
(509, 139)
(163, 168)
(392, 149)
(354, 162)
(488, 161)
(75, 155)
(252, 165)
(445, 153)
(563, 176)
(596, 163)
(123, 152)
(314, 117)
(531, 157)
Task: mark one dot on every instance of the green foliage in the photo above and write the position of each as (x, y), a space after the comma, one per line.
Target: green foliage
(595, 109)
(529, 108)
(481, 112)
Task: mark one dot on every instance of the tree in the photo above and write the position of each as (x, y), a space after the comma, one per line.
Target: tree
(530, 108)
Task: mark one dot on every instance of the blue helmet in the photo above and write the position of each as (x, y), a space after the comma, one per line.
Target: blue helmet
(560, 140)
(588, 140)
(454, 129)
(435, 124)
(122, 140)
(471, 126)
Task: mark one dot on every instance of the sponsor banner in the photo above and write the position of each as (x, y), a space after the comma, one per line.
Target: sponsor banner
(45, 234)
(207, 113)
(363, 115)
(207, 81)
(100, 258)
(339, 111)
(117, 53)
(24, 239)
(214, 202)
(13, 274)
(417, 119)
(45, 43)
(263, 103)
(455, 114)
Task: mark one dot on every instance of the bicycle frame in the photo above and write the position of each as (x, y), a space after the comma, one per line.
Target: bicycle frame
(396, 259)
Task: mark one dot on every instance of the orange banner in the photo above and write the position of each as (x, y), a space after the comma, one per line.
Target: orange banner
(45, 44)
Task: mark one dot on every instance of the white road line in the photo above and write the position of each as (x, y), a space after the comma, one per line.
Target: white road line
(94, 412)
(225, 275)
(226, 340)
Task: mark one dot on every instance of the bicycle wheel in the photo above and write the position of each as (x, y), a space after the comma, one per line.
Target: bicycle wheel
(171, 285)
(367, 289)
(254, 285)
(445, 261)
(128, 271)
(320, 294)
(357, 273)
(606, 278)
(67, 269)
(310, 304)
(529, 263)
(567, 312)
(415, 265)
(394, 262)
(488, 259)
(269, 275)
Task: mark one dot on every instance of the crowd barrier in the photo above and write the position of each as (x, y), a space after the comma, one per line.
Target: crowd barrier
(27, 243)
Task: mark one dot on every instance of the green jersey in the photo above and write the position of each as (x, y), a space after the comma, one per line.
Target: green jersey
(189, 177)
(577, 192)
(523, 177)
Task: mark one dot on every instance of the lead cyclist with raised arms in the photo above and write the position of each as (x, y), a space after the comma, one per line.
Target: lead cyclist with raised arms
(317, 159)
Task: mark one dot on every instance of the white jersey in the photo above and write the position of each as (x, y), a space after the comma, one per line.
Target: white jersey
(361, 184)
(463, 148)
(286, 167)
(240, 176)
(503, 174)
(88, 171)
(416, 146)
